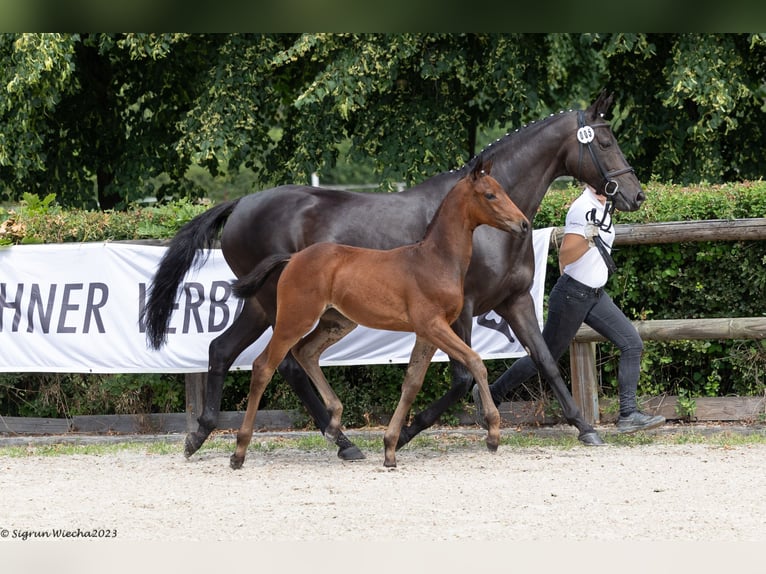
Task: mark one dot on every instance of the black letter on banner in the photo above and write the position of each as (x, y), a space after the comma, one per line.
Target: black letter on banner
(66, 307)
(216, 303)
(92, 309)
(36, 300)
(193, 306)
(141, 307)
(16, 304)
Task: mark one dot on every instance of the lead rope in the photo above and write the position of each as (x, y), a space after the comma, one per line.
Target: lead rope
(597, 241)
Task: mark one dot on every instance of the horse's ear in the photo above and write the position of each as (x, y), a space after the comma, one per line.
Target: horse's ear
(481, 168)
(600, 108)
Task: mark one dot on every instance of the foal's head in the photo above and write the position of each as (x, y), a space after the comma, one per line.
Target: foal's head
(490, 203)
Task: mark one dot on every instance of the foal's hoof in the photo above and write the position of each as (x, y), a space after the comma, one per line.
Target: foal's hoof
(492, 446)
(236, 462)
(351, 453)
(591, 438)
(193, 441)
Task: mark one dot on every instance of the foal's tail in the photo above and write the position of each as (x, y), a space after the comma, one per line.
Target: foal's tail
(183, 252)
(249, 284)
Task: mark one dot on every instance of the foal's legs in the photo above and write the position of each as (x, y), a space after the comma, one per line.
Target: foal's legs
(461, 383)
(263, 369)
(287, 332)
(332, 328)
(445, 338)
(420, 358)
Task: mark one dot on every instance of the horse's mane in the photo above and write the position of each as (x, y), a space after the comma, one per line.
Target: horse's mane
(490, 148)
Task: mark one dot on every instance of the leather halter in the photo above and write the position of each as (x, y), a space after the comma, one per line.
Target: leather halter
(611, 186)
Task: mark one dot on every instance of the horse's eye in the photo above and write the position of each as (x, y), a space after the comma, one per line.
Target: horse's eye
(604, 144)
(490, 196)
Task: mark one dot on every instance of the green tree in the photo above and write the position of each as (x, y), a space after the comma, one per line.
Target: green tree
(130, 114)
(116, 112)
(413, 103)
(96, 111)
(693, 105)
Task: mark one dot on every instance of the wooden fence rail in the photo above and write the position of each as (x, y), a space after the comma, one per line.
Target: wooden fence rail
(751, 229)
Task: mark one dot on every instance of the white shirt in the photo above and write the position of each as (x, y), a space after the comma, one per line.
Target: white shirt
(589, 269)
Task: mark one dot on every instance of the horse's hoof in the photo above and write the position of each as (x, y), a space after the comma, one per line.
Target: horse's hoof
(236, 462)
(389, 464)
(347, 450)
(192, 443)
(351, 453)
(492, 446)
(591, 438)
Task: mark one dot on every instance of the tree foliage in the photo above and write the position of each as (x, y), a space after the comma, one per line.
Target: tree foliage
(694, 103)
(95, 109)
(129, 114)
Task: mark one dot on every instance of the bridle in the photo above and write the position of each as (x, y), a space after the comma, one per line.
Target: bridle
(585, 135)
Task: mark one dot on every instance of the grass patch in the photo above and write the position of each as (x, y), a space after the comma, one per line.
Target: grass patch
(373, 443)
(67, 449)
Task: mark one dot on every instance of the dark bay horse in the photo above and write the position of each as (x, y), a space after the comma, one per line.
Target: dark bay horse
(289, 218)
(415, 288)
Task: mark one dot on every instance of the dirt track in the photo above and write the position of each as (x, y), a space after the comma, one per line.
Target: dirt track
(657, 492)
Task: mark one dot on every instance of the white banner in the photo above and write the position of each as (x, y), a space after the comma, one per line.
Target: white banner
(74, 308)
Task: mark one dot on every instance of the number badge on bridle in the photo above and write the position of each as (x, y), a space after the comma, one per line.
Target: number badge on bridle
(585, 134)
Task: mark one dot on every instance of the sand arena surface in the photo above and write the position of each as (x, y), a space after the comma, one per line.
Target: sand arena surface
(458, 492)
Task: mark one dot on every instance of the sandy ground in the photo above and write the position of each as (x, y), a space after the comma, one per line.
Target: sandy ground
(650, 493)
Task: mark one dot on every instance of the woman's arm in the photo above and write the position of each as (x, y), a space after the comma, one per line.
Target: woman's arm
(573, 246)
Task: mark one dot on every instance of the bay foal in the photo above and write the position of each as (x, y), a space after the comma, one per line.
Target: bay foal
(415, 288)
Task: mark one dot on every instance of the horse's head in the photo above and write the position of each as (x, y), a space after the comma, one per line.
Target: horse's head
(492, 204)
(595, 157)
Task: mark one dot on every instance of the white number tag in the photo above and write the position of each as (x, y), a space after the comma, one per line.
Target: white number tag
(585, 134)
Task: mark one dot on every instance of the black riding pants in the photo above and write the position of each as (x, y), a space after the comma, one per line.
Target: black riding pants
(571, 304)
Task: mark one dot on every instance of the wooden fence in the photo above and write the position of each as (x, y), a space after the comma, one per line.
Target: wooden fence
(751, 229)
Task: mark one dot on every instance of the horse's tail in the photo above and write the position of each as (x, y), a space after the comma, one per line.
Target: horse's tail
(249, 284)
(183, 252)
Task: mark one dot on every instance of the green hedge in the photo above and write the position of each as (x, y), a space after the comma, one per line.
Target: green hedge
(669, 281)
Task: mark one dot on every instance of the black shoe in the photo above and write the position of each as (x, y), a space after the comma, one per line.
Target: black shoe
(638, 421)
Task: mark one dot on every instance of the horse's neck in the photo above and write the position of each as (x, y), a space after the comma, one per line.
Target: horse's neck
(526, 162)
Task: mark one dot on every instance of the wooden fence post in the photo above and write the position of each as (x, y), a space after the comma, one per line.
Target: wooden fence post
(195, 398)
(582, 362)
